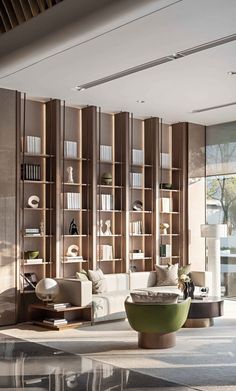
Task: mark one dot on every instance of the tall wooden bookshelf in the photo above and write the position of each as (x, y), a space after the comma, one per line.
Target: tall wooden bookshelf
(36, 160)
(115, 180)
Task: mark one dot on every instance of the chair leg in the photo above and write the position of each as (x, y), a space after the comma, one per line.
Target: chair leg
(156, 340)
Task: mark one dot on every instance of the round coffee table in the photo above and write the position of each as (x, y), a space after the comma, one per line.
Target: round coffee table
(202, 311)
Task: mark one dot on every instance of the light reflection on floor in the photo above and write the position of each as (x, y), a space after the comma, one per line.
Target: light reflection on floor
(31, 366)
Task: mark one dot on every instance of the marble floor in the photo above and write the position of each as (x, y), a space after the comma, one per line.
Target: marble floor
(31, 366)
(105, 357)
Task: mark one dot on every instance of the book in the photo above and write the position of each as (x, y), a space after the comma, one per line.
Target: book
(58, 305)
(55, 321)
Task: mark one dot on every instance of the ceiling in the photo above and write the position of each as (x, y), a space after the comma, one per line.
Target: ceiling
(83, 44)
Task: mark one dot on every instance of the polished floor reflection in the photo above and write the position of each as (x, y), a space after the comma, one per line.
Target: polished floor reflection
(31, 366)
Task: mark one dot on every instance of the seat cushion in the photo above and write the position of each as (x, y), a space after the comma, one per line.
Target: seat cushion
(150, 297)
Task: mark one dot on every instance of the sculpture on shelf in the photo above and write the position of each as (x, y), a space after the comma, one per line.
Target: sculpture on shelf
(163, 228)
(73, 230)
(70, 174)
(99, 230)
(33, 201)
(108, 228)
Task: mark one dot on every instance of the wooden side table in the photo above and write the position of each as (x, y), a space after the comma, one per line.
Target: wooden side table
(202, 312)
(76, 316)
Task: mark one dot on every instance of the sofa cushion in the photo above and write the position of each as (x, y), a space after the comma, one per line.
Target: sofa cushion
(150, 297)
(82, 275)
(99, 284)
(167, 275)
(109, 305)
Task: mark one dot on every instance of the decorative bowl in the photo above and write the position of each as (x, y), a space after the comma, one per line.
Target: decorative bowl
(31, 254)
(107, 178)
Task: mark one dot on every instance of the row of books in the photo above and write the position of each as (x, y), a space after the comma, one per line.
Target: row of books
(135, 227)
(33, 145)
(136, 179)
(166, 204)
(72, 200)
(70, 149)
(165, 160)
(31, 172)
(105, 201)
(137, 156)
(104, 252)
(106, 153)
(165, 250)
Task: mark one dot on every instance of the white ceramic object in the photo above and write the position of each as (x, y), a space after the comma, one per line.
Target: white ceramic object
(33, 201)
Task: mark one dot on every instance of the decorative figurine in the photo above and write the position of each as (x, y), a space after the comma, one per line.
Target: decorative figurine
(108, 228)
(70, 174)
(73, 230)
(163, 228)
(100, 225)
(107, 178)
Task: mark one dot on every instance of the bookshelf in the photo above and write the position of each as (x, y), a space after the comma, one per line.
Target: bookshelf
(109, 219)
(36, 158)
(169, 201)
(74, 188)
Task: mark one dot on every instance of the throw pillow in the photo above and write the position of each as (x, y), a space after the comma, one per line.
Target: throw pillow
(99, 284)
(82, 275)
(150, 297)
(167, 275)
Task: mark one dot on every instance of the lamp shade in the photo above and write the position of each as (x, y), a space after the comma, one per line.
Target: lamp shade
(215, 231)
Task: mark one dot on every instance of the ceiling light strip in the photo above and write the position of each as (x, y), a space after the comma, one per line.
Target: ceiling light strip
(158, 61)
(214, 107)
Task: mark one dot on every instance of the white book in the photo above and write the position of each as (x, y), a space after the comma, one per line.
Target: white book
(166, 204)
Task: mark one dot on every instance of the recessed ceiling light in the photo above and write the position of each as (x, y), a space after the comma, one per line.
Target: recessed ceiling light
(231, 73)
(78, 88)
(140, 101)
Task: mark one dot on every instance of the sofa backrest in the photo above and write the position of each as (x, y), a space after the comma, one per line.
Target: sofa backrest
(141, 280)
(117, 282)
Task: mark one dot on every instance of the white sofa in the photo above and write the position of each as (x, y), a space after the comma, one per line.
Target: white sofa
(110, 304)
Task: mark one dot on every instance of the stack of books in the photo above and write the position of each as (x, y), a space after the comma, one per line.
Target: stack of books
(55, 322)
(70, 149)
(105, 153)
(33, 145)
(137, 254)
(71, 258)
(31, 172)
(32, 232)
(56, 306)
(31, 261)
(135, 227)
(105, 201)
(72, 200)
(137, 156)
(136, 179)
(104, 252)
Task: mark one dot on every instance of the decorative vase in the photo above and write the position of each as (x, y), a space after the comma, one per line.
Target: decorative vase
(189, 290)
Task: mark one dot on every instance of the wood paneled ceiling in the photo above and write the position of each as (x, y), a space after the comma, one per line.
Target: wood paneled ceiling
(15, 12)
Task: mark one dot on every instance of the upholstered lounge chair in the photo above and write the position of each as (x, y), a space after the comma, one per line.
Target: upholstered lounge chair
(156, 323)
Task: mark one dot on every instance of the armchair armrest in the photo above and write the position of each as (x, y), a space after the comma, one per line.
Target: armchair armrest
(74, 291)
(202, 278)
